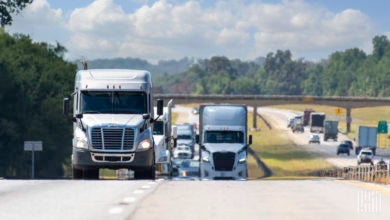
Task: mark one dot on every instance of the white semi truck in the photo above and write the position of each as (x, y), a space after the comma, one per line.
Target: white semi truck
(223, 141)
(112, 122)
(163, 140)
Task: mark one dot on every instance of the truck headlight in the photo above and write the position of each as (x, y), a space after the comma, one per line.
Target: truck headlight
(81, 143)
(81, 139)
(206, 156)
(242, 156)
(144, 145)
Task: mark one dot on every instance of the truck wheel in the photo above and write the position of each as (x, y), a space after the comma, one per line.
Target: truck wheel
(152, 173)
(92, 174)
(149, 173)
(77, 173)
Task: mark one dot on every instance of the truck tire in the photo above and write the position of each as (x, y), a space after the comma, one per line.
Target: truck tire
(91, 174)
(77, 173)
(149, 173)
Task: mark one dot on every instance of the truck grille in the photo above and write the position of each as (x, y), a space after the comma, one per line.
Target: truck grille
(115, 139)
(224, 161)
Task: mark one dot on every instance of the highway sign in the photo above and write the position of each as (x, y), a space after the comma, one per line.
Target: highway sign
(339, 111)
(382, 127)
(33, 145)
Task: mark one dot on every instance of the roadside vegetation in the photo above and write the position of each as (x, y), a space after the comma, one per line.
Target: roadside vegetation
(282, 156)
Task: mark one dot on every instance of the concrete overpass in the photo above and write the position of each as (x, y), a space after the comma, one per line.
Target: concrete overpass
(345, 102)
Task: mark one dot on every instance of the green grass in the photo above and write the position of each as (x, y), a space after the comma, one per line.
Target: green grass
(282, 156)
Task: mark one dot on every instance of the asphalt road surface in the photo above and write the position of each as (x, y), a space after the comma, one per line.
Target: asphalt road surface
(71, 199)
(304, 199)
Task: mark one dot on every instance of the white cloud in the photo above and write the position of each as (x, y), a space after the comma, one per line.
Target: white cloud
(170, 30)
(39, 21)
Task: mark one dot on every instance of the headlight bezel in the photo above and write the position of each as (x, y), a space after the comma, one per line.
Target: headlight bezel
(81, 141)
(242, 155)
(206, 156)
(144, 145)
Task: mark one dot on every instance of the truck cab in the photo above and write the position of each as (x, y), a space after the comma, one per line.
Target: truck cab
(112, 122)
(223, 141)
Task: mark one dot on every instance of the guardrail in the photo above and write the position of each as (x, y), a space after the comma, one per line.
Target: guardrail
(372, 173)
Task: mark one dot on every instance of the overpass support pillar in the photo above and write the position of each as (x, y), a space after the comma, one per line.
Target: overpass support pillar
(348, 119)
(254, 117)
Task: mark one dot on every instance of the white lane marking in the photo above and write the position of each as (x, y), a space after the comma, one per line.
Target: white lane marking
(115, 210)
(145, 187)
(138, 191)
(128, 200)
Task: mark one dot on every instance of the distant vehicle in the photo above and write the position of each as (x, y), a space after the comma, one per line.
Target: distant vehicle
(343, 149)
(349, 143)
(331, 129)
(317, 122)
(182, 152)
(306, 116)
(314, 138)
(298, 127)
(294, 120)
(176, 162)
(189, 169)
(186, 136)
(381, 165)
(366, 138)
(365, 156)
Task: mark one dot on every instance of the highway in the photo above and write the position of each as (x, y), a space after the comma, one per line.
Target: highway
(165, 199)
(71, 199)
(278, 118)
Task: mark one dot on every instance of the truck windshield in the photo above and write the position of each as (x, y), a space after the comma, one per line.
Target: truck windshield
(184, 136)
(158, 127)
(224, 137)
(113, 102)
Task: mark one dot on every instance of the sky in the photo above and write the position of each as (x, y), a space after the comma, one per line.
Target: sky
(174, 29)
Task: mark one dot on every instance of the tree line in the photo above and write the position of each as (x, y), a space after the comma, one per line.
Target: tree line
(34, 79)
(345, 73)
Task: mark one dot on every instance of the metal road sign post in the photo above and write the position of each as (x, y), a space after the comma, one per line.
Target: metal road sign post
(33, 146)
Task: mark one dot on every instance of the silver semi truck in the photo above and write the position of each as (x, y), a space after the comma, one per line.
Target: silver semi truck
(223, 141)
(112, 122)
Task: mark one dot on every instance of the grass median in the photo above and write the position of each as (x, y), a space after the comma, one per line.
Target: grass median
(282, 156)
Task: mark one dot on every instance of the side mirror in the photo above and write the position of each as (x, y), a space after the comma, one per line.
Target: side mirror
(65, 106)
(145, 116)
(250, 139)
(202, 147)
(160, 107)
